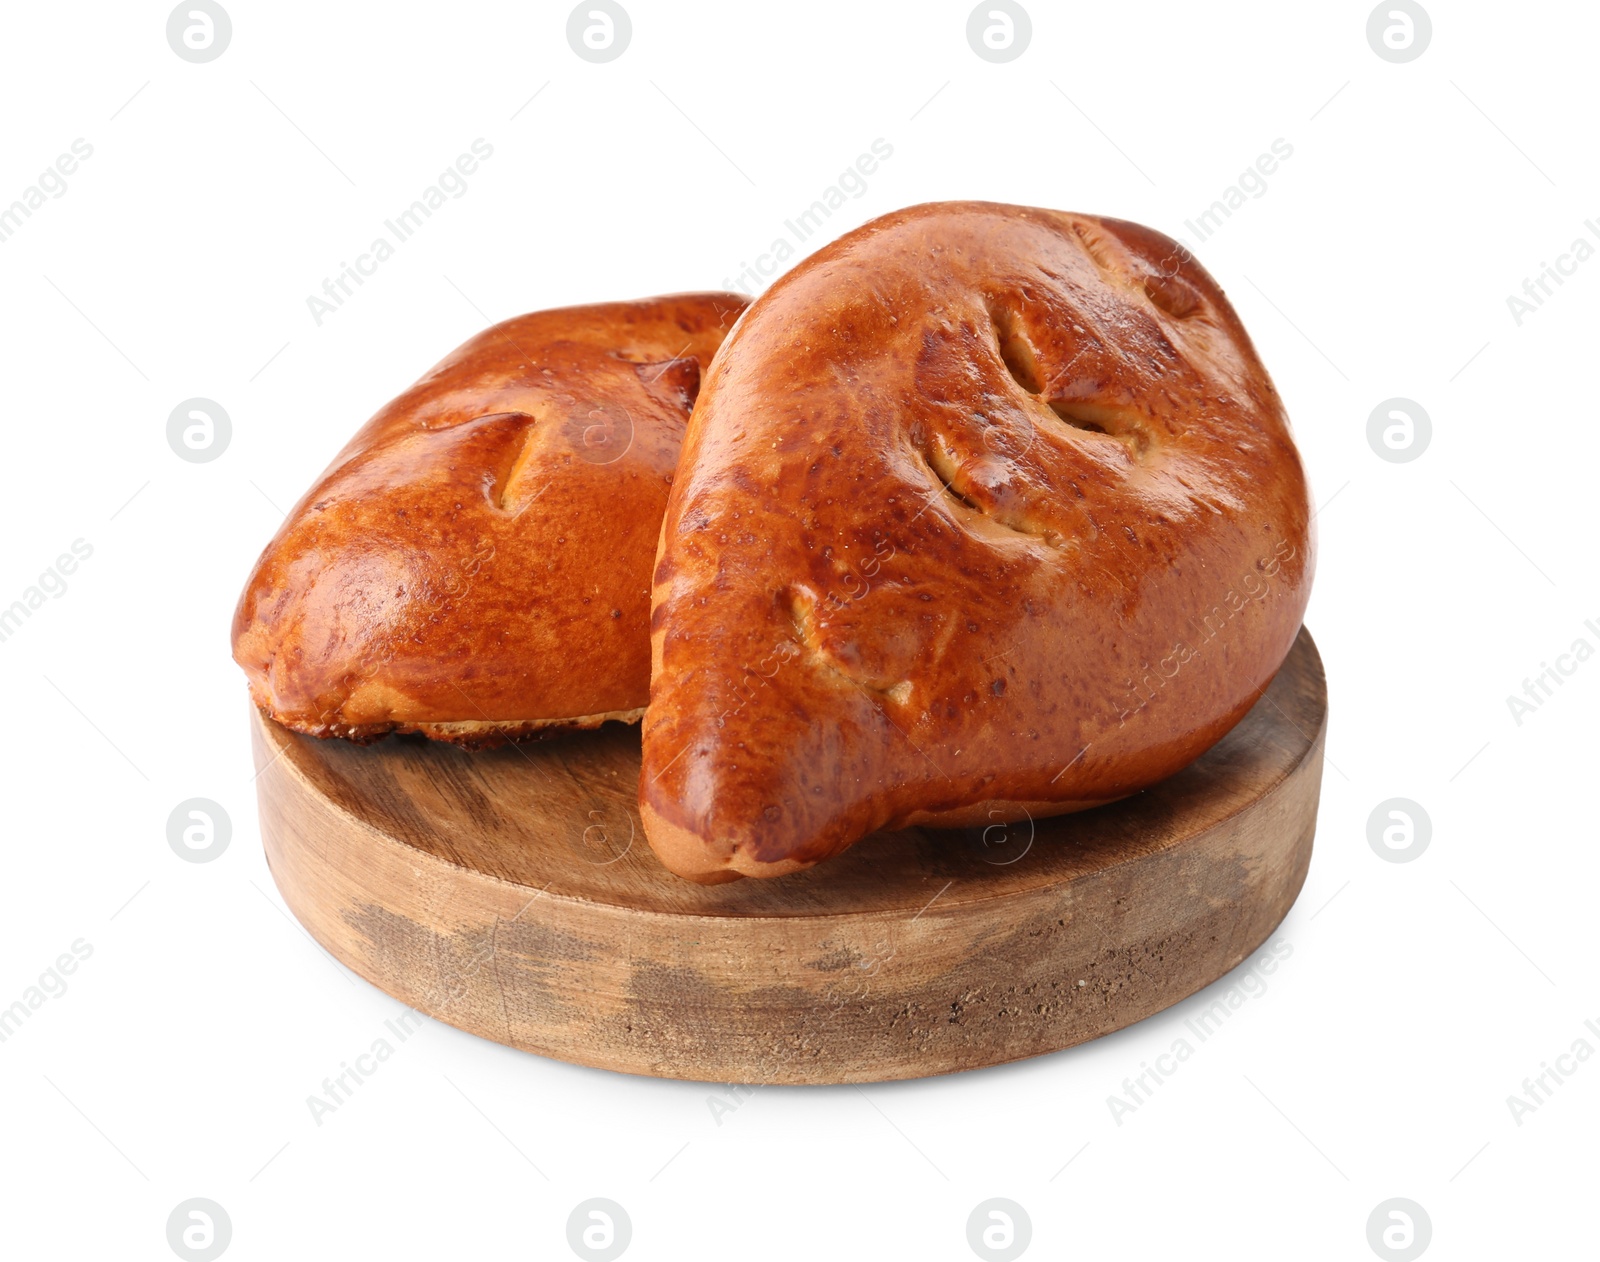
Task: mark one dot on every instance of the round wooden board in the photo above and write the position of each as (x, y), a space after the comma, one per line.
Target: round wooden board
(513, 894)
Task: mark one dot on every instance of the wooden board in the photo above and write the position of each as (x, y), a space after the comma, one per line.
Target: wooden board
(513, 894)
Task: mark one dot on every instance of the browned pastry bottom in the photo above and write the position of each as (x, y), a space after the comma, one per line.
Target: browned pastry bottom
(472, 736)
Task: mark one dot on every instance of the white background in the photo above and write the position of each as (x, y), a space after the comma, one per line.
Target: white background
(1418, 996)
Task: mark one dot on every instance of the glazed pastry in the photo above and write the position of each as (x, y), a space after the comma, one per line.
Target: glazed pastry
(475, 564)
(984, 512)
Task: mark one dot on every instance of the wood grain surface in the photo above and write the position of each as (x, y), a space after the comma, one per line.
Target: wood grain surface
(512, 894)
